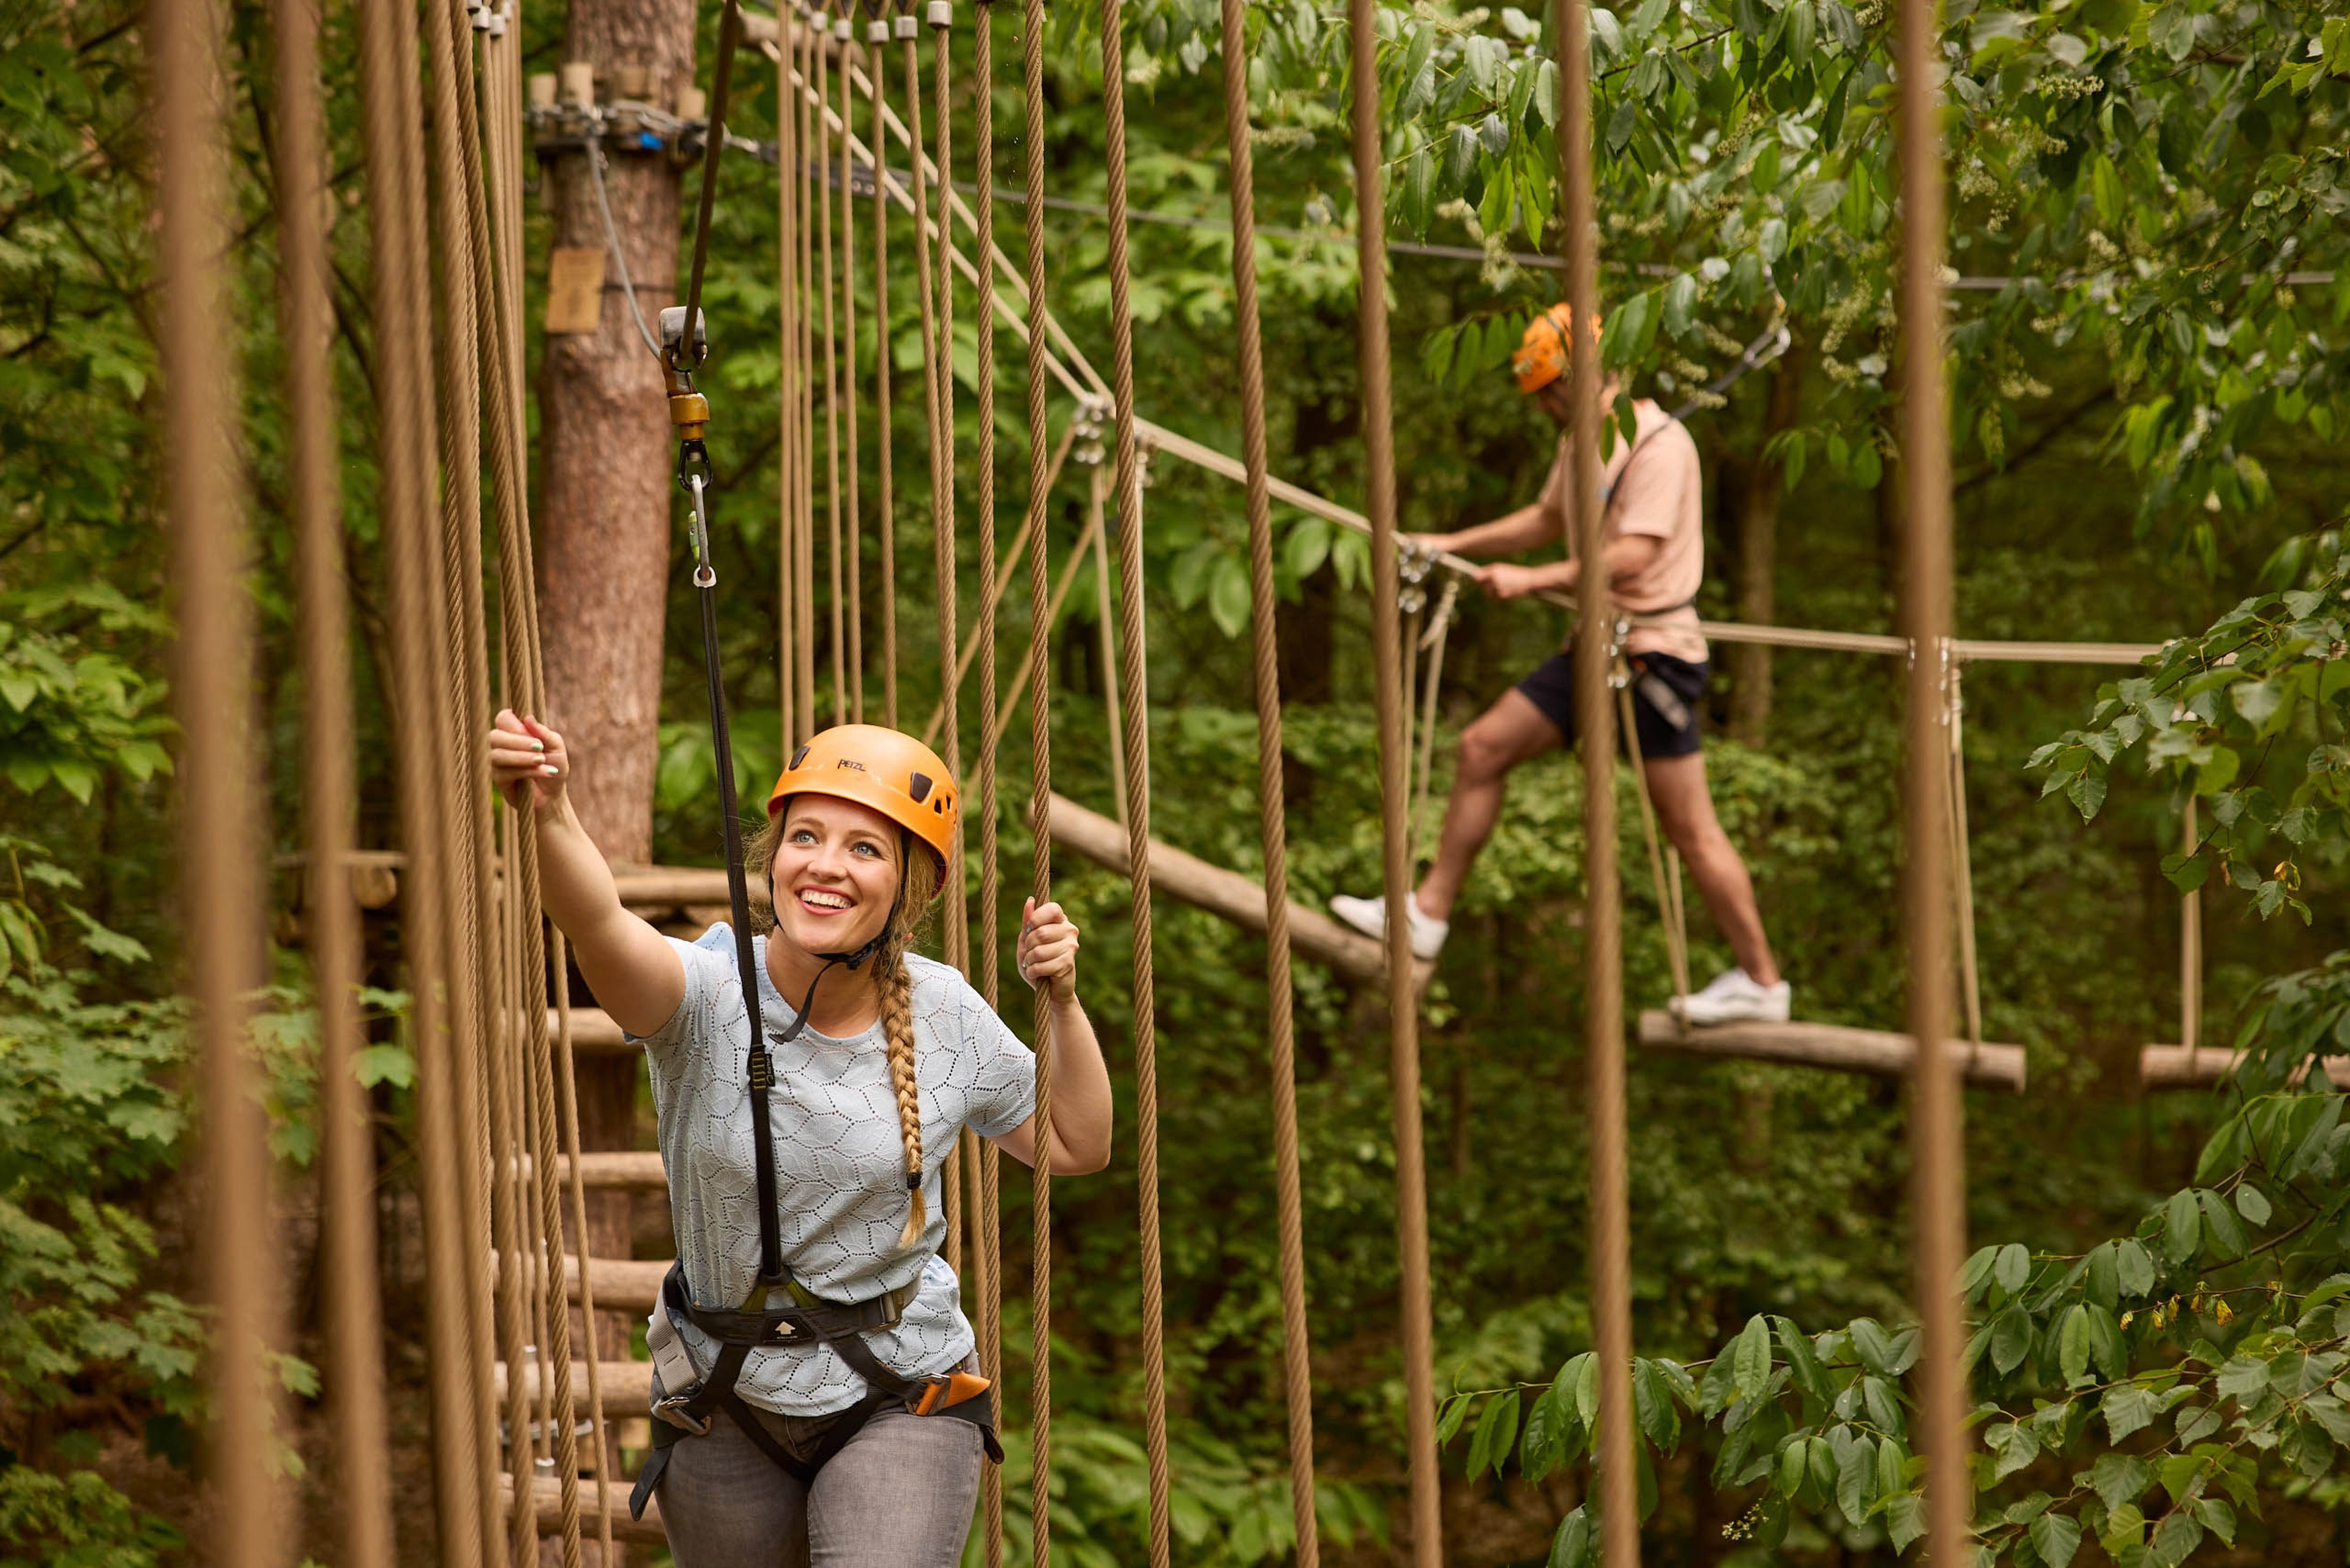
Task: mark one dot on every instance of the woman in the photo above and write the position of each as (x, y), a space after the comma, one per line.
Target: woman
(812, 1356)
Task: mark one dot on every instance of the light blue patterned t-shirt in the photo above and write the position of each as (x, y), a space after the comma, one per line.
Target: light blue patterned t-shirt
(840, 1164)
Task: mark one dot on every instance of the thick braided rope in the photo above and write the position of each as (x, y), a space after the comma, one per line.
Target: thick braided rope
(785, 386)
(1271, 807)
(942, 501)
(1040, 798)
(462, 670)
(496, 225)
(876, 78)
(399, 297)
(1128, 514)
(481, 1117)
(218, 892)
(1612, 1442)
(354, 1308)
(838, 568)
(986, 1223)
(1403, 1002)
(848, 260)
(804, 615)
(1937, 1205)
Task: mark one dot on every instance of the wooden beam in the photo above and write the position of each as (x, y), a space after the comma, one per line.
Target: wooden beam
(2191, 1067)
(1832, 1046)
(592, 1032)
(627, 1387)
(1235, 898)
(546, 1503)
(622, 1285)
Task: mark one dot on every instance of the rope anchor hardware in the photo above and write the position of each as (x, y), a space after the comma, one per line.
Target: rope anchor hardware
(688, 411)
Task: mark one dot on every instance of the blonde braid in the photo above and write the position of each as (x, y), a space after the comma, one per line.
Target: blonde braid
(897, 1032)
(894, 982)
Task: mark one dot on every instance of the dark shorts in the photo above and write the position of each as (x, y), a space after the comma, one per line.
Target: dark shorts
(1551, 688)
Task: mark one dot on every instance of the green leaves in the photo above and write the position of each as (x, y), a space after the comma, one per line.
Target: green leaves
(1751, 1358)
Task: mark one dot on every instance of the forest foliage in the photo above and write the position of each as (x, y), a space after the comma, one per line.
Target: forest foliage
(2148, 366)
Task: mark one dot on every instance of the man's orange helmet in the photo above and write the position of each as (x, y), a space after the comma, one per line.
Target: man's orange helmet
(890, 772)
(1542, 353)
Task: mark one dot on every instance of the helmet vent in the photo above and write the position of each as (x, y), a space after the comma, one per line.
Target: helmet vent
(919, 786)
(799, 756)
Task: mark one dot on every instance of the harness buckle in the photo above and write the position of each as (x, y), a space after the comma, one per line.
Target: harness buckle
(673, 1408)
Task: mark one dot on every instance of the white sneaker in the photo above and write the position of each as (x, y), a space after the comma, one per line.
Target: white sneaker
(1735, 998)
(1369, 916)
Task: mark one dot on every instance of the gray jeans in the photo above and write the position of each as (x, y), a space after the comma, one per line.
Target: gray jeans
(899, 1495)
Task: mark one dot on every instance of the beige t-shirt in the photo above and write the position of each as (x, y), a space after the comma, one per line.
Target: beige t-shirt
(1652, 486)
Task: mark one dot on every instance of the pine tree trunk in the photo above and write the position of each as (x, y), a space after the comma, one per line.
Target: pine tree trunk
(605, 517)
(1758, 556)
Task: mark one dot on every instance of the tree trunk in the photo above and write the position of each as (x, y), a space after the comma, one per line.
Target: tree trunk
(1758, 554)
(604, 519)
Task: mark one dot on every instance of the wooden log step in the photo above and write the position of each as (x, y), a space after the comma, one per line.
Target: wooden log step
(608, 1170)
(621, 1284)
(628, 1385)
(546, 1502)
(2201, 1067)
(1832, 1046)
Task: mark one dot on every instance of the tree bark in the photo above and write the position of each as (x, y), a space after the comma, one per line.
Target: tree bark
(1758, 554)
(604, 521)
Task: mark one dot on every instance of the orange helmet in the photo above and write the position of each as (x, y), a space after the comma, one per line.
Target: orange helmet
(890, 772)
(1543, 352)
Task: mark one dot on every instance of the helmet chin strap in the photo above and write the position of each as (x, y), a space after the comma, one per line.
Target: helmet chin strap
(852, 959)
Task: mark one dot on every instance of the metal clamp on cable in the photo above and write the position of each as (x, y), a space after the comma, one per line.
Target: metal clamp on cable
(689, 415)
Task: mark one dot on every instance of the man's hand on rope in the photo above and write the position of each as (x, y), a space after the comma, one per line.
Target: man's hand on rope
(1507, 580)
(526, 755)
(1048, 949)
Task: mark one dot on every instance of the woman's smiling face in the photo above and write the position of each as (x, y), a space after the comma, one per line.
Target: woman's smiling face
(835, 873)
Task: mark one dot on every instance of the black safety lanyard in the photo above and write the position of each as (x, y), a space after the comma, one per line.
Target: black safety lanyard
(684, 345)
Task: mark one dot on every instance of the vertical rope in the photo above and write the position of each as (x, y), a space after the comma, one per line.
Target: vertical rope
(219, 843)
(400, 296)
(1962, 854)
(1096, 491)
(1403, 1002)
(1938, 1201)
(1272, 807)
(2190, 950)
(986, 1223)
(465, 782)
(1040, 794)
(1663, 872)
(787, 388)
(839, 570)
(804, 271)
(354, 1309)
(842, 31)
(1603, 1004)
(877, 32)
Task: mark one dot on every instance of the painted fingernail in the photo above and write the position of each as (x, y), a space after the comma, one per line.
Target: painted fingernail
(536, 744)
(549, 769)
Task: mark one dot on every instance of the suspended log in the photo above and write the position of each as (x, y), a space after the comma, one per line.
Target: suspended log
(628, 1385)
(2200, 1067)
(1235, 898)
(546, 1502)
(1832, 1046)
